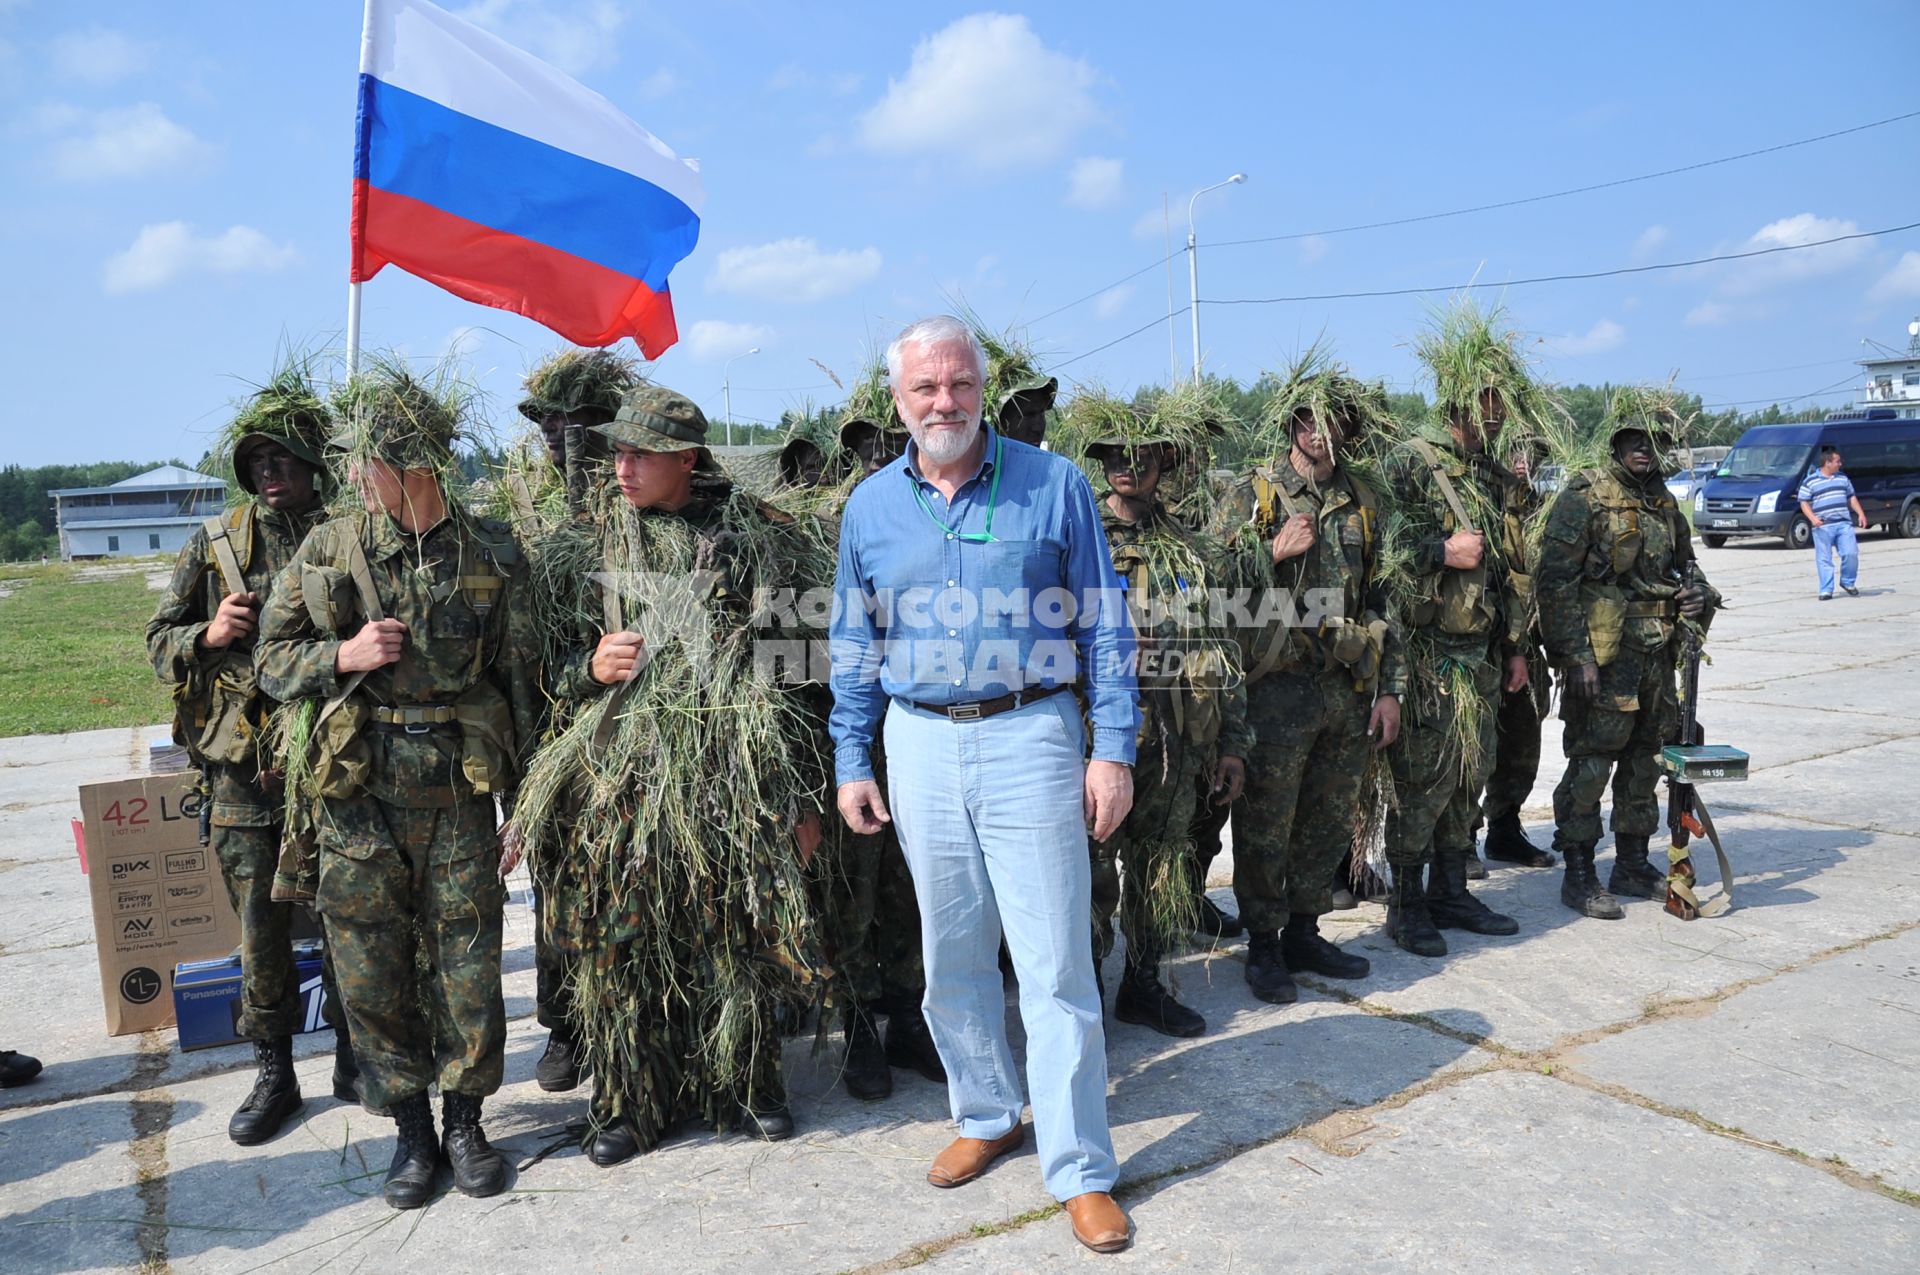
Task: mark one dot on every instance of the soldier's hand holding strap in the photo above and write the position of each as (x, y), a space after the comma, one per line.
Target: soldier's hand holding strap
(1295, 538)
(1465, 549)
(615, 658)
(1229, 777)
(1383, 727)
(1692, 600)
(376, 645)
(233, 620)
(1582, 681)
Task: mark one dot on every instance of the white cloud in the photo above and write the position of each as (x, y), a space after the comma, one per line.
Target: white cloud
(1598, 339)
(986, 92)
(1313, 248)
(1759, 274)
(577, 38)
(793, 270)
(794, 78)
(96, 56)
(1901, 281)
(662, 83)
(1113, 301)
(1094, 182)
(719, 339)
(463, 342)
(1709, 314)
(171, 250)
(131, 141)
(1650, 241)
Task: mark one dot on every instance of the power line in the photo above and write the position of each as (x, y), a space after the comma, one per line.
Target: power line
(1559, 278)
(1109, 288)
(1154, 323)
(1749, 402)
(1576, 190)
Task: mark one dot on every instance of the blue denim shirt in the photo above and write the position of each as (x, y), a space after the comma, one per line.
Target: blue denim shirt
(922, 613)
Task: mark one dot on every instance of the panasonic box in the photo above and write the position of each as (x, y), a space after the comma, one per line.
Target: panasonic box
(206, 997)
(158, 898)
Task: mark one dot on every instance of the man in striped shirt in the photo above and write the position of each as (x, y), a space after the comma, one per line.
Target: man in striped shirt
(1827, 500)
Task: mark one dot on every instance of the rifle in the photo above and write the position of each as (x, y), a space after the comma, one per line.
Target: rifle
(1690, 761)
(206, 806)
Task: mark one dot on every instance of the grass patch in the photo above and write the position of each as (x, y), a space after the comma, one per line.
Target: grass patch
(73, 650)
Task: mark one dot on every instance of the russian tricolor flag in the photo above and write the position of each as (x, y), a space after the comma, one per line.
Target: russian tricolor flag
(486, 171)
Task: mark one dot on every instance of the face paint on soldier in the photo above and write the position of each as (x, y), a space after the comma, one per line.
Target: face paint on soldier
(1025, 427)
(1313, 448)
(1633, 449)
(1133, 475)
(553, 432)
(654, 480)
(284, 481)
(876, 449)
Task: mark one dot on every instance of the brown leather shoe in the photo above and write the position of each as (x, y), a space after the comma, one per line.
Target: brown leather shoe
(967, 1158)
(1098, 1222)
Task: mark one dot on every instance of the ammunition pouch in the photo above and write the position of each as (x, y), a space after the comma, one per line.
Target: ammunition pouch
(1358, 646)
(1518, 625)
(1624, 538)
(1456, 602)
(1209, 672)
(486, 738)
(1606, 621)
(329, 596)
(342, 755)
(296, 877)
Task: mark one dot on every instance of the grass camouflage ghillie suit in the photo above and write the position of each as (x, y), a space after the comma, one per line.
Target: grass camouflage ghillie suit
(1017, 395)
(201, 641)
(1467, 612)
(1325, 668)
(1193, 731)
(407, 619)
(664, 814)
(566, 395)
(1618, 588)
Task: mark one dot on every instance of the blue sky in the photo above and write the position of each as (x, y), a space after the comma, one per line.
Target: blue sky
(175, 198)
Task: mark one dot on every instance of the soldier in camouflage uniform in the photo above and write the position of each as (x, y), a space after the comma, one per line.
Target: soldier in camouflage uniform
(1024, 404)
(1617, 584)
(201, 641)
(1194, 710)
(1326, 673)
(404, 619)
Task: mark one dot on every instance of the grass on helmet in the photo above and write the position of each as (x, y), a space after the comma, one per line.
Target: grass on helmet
(574, 379)
(286, 407)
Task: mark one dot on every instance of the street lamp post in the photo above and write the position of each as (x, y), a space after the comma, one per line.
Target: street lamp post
(726, 388)
(1193, 267)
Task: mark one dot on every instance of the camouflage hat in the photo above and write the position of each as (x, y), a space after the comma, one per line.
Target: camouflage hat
(389, 415)
(285, 411)
(1653, 410)
(574, 381)
(1029, 395)
(653, 418)
(853, 426)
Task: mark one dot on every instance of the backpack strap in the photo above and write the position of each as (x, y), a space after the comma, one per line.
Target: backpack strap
(362, 576)
(1438, 469)
(233, 575)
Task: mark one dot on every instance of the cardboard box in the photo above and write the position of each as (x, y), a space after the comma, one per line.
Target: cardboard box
(206, 997)
(158, 898)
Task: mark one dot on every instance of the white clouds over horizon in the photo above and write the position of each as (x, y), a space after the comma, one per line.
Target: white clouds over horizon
(130, 141)
(1095, 182)
(1741, 287)
(985, 92)
(1112, 301)
(1649, 242)
(1901, 281)
(96, 56)
(795, 270)
(1603, 336)
(721, 339)
(171, 250)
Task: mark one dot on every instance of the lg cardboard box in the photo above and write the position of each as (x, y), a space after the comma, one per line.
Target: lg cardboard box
(157, 895)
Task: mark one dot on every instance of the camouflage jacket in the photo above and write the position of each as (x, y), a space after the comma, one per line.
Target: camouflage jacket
(1615, 553)
(1337, 580)
(470, 646)
(218, 708)
(1465, 616)
(1189, 675)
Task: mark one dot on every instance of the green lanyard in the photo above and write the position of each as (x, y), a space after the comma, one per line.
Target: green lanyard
(993, 498)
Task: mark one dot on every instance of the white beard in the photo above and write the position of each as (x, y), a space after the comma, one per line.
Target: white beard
(942, 445)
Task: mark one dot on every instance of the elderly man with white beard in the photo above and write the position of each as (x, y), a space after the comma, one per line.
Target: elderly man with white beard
(975, 593)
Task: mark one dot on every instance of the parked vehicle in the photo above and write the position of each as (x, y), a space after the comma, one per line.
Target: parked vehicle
(1548, 479)
(1755, 490)
(1684, 483)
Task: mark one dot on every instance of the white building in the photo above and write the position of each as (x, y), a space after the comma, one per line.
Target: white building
(1895, 378)
(149, 513)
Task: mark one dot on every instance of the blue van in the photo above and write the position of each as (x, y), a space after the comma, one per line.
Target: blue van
(1755, 491)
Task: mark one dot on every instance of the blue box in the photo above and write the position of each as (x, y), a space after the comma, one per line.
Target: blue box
(206, 997)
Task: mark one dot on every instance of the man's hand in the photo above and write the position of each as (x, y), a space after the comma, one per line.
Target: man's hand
(1229, 777)
(615, 658)
(1383, 726)
(1295, 538)
(376, 645)
(233, 620)
(1582, 681)
(1109, 795)
(807, 833)
(1863, 521)
(862, 806)
(1465, 549)
(1518, 674)
(1816, 520)
(512, 848)
(1692, 600)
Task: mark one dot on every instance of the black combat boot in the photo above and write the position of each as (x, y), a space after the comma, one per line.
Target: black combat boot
(416, 1157)
(346, 1068)
(1267, 974)
(478, 1170)
(865, 1072)
(1452, 907)
(1476, 866)
(1143, 999)
(1632, 876)
(1409, 924)
(1216, 922)
(17, 1068)
(767, 1116)
(1307, 952)
(1507, 842)
(1580, 889)
(615, 1139)
(275, 1096)
(910, 1045)
(559, 1067)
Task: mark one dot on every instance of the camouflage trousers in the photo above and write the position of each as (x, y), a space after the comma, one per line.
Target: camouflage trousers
(270, 1000)
(1618, 734)
(397, 883)
(1439, 764)
(876, 924)
(552, 999)
(1516, 747)
(1297, 816)
(1146, 868)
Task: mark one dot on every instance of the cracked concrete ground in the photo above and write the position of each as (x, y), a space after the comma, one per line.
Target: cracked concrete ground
(1733, 1094)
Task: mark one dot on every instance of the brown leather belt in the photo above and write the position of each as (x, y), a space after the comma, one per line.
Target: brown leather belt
(980, 710)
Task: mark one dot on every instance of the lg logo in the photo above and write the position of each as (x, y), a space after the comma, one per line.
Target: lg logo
(140, 985)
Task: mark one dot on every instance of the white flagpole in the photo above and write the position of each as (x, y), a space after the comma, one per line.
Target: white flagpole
(353, 329)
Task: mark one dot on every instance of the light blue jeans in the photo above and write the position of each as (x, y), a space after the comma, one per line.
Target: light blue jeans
(990, 817)
(1827, 537)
